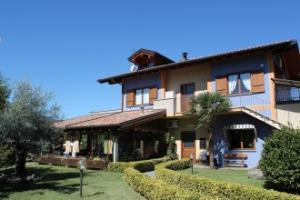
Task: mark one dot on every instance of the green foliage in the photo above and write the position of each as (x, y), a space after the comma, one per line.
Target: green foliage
(4, 93)
(117, 166)
(206, 105)
(161, 160)
(154, 189)
(142, 166)
(223, 190)
(171, 146)
(7, 156)
(280, 160)
(27, 121)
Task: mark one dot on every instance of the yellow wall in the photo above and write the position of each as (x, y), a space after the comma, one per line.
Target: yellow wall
(289, 113)
(188, 124)
(197, 73)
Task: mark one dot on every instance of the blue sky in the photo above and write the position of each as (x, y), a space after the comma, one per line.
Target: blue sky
(65, 46)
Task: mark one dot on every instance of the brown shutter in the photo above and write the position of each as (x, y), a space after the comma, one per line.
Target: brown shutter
(222, 85)
(153, 95)
(130, 97)
(257, 82)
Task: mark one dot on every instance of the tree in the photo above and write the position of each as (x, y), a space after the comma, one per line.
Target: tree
(280, 160)
(28, 120)
(205, 107)
(171, 146)
(4, 93)
(6, 153)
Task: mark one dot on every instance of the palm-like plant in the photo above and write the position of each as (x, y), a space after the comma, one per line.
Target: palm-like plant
(205, 107)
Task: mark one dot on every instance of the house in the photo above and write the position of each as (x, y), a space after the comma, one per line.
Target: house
(262, 83)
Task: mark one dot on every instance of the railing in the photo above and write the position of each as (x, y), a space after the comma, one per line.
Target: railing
(252, 102)
(287, 94)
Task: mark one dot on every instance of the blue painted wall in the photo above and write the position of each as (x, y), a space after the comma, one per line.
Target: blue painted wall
(141, 81)
(240, 65)
(221, 141)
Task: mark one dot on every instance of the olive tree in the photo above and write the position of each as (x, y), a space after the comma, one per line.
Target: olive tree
(28, 120)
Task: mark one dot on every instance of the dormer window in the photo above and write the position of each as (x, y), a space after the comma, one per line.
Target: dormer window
(145, 58)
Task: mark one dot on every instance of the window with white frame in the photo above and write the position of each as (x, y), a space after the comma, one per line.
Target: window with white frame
(142, 96)
(239, 83)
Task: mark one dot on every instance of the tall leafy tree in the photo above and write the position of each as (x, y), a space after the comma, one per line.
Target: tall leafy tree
(4, 92)
(28, 120)
(205, 107)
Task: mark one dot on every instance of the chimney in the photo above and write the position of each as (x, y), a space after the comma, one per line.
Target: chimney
(184, 56)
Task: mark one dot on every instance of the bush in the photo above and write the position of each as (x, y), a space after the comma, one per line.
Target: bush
(154, 189)
(117, 166)
(142, 165)
(161, 160)
(280, 160)
(223, 190)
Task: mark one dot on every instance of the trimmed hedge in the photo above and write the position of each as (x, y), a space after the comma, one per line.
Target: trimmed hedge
(117, 166)
(211, 187)
(153, 189)
(142, 165)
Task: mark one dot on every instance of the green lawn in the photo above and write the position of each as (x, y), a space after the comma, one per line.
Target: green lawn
(229, 175)
(63, 183)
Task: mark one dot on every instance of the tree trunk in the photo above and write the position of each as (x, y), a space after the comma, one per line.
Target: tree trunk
(211, 150)
(20, 161)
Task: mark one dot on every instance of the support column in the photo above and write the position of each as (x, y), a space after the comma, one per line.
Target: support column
(115, 150)
(178, 148)
(142, 148)
(197, 149)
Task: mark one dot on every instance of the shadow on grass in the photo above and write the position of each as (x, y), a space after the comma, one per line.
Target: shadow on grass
(49, 181)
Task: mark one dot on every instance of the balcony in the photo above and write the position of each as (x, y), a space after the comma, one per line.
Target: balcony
(168, 104)
(287, 94)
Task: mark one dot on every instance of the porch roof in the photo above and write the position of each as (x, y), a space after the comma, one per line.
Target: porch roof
(113, 119)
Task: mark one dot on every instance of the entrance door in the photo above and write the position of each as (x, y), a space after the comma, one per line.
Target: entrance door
(187, 91)
(188, 144)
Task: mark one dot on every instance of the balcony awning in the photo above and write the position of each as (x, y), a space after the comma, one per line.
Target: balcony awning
(239, 127)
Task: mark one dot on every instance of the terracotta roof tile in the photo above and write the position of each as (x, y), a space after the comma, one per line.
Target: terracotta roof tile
(117, 119)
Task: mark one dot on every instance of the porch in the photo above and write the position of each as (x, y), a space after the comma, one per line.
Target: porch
(115, 136)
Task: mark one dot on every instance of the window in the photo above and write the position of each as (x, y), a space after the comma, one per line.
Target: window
(241, 139)
(138, 96)
(142, 96)
(202, 143)
(146, 96)
(188, 139)
(239, 83)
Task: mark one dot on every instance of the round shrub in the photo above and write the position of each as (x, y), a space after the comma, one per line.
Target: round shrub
(280, 160)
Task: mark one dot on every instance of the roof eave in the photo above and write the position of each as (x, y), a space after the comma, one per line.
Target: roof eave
(241, 52)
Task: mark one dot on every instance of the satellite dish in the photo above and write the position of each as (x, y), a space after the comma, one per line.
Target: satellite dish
(133, 68)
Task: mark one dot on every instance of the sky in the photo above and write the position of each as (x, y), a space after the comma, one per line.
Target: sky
(65, 46)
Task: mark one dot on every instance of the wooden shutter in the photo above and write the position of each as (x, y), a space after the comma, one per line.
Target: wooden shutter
(130, 98)
(257, 82)
(153, 95)
(222, 85)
